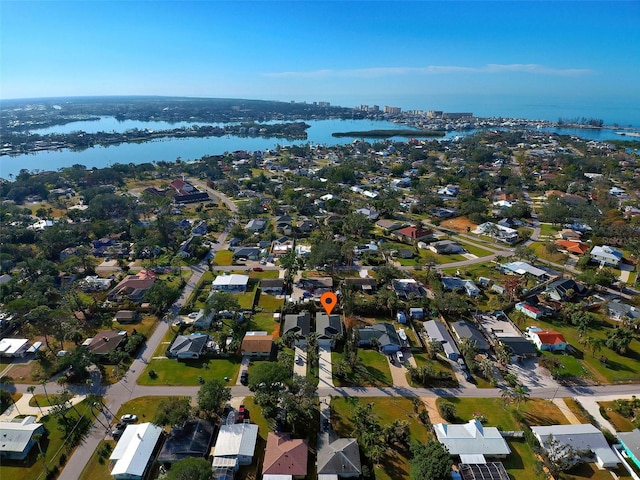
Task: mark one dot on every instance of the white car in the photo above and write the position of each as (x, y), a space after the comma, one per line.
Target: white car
(129, 418)
(400, 356)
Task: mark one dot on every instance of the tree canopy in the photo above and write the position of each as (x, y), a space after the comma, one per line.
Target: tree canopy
(430, 460)
(212, 396)
(190, 469)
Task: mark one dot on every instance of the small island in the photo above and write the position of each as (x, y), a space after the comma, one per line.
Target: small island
(390, 133)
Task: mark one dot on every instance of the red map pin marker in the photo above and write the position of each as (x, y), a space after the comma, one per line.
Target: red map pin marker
(328, 301)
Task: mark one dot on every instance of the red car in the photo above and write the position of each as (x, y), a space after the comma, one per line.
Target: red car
(241, 413)
(258, 269)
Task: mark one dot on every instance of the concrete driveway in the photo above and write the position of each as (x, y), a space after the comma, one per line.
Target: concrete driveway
(326, 367)
(532, 375)
(300, 368)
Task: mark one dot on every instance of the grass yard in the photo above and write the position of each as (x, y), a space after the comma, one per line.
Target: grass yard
(621, 423)
(144, 407)
(476, 270)
(53, 445)
(541, 251)
(270, 303)
(618, 369)
(223, 258)
(521, 463)
(145, 326)
(263, 321)
(439, 365)
(98, 466)
(187, 372)
(372, 370)
(578, 410)
(394, 463)
(246, 300)
(477, 251)
(548, 230)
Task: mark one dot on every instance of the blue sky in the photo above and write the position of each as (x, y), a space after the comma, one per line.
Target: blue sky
(344, 52)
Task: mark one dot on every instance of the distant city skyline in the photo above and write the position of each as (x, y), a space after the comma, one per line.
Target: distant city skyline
(408, 54)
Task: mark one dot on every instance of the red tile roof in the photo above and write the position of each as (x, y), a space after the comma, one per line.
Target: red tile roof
(550, 337)
(573, 247)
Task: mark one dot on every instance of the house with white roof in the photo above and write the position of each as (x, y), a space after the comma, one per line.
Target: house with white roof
(14, 347)
(472, 441)
(580, 438)
(18, 438)
(606, 255)
(235, 446)
(234, 283)
(438, 332)
(132, 455)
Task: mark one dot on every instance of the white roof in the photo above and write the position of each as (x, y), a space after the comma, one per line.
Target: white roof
(277, 477)
(237, 439)
(17, 435)
(471, 438)
(580, 437)
(523, 267)
(233, 279)
(133, 451)
(9, 346)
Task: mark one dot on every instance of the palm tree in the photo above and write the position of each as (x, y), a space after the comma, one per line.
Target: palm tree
(31, 389)
(43, 382)
(520, 394)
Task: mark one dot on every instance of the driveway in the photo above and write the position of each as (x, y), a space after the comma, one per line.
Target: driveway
(531, 375)
(326, 367)
(300, 368)
(244, 365)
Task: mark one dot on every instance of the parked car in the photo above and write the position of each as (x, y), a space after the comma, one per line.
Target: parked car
(241, 414)
(244, 377)
(129, 418)
(258, 269)
(299, 360)
(116, 433)
(400, 356)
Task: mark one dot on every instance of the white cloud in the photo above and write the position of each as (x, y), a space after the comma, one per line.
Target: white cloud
(432, 69)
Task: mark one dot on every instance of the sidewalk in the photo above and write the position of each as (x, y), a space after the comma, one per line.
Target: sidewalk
(22, 407)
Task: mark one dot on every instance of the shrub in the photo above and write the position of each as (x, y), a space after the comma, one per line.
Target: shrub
(448, 411)
(153, 374)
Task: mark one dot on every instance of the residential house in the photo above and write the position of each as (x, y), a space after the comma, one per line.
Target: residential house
(272, 286)
(413, 234)
(572, 246)
(499, 232)
(370, 213)
(450, 191)
(284, 224)
(416, 313)
(408, 288)
(132, 287)
(606, 255)
(317, 285)
(547, 339)
(382, 335)
(126, 316)
(328, 328)
(472, 441)
(456, 284)
(445, 247)
(188, 346)
(234, 283)
(339, 459)
(200, 229)
(523, 268)
(388, 225)
(256, 225)
(14, 347)
(580, 438)
(367, 285)
(621, 312)
(235, 446)
(569, 234)
(464, 329)
(18, 438)
(285, 458)
(106, 341)
(257, 345)
(300, 324)
(564, 289)
(306, 226)
(630, 442)
(529, 310)
(250, 253)
(132, 455)
(191, 439)
(438, 331)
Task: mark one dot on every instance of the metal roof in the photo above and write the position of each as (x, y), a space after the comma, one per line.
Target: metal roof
(134, 450)
(238, 439)
(15, 436)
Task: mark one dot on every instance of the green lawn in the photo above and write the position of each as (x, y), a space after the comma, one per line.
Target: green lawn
(246, 300)
(476, 270)
(186, 372)
(53, 445)
(394, 463)
(621, 423)
(263, 321)
(439, 365)
(98, 468)
(547, 229)
(477, 251)
(269, 303)
(372, 370)
(223, 257)
(619, 368)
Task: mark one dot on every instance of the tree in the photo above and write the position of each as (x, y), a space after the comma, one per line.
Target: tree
(173, 411)
(31, 389)
(618, 339)
(430, 460)
(517, 395)
(267, 381)
(212, 397)
(559, 457)
(219, 301)
(161, 295)
(448, 411)
(191, 468)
